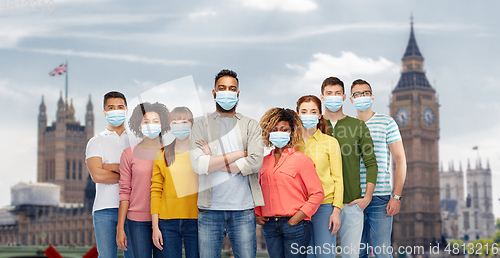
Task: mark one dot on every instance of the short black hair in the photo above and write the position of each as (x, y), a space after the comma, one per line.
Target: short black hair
(358, 82)
(226, 72)
(332, 81)
(114, 94)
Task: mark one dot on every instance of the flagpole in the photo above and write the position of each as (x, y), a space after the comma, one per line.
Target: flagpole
(66, 83)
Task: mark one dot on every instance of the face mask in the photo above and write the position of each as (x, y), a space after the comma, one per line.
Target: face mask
(116, 117)
(151, 130)
(279, 139)
(226, 99)
(334, 103)
(309, 121)
(362, 103)
(181, 131)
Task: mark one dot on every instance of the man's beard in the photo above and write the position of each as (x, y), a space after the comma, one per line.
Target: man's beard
(222, 110)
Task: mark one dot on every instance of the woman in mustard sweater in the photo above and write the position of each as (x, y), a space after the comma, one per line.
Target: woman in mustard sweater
(324, 150)
(174, 192)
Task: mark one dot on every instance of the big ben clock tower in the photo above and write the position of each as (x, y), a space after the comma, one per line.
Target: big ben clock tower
(414, 106)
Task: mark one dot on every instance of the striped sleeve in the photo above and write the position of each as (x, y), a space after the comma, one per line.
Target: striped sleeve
(393, 134)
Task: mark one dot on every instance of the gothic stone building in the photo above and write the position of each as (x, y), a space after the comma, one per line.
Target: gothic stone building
(467, 217)
(61, 150)
(65, 219)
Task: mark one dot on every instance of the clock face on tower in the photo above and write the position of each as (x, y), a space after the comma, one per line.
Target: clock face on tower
(428, 116)
(402, 116)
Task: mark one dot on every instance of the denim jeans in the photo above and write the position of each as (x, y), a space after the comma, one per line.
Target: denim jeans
(322, 242)
(351, 230)
(174, 231)
(239, 225)
(141, 239)
(284, 240)
(380, 227)
(105, 222)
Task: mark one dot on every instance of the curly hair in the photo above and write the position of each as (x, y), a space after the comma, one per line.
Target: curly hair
(142, 109)
(275, 115)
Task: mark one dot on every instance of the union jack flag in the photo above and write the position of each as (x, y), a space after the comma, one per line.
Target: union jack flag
(61, 70)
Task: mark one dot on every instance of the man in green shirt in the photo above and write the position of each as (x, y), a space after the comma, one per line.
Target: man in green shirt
(355, 142)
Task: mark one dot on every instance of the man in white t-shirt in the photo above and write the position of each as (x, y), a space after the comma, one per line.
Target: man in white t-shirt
(103, 157)
(387, 141)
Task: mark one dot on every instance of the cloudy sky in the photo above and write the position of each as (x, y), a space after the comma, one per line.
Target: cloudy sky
(281, 49)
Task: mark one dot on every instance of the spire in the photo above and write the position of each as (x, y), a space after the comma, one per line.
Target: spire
(90, 107)
(488, 163)
(468, 164)
(89, 117)
(70, 112)
(60, 103)
(42, 116)
(61, 109)
(42, 108)
(441, 169)
(460, 166)
(413, 73)
(412, 50)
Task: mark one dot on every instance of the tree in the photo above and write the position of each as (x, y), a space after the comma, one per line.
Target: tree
(498, 223)
(496, 237)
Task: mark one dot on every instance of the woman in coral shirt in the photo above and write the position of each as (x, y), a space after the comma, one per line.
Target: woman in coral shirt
(290, 185)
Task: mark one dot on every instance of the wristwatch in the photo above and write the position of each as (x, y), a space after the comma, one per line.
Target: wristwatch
(397, 197)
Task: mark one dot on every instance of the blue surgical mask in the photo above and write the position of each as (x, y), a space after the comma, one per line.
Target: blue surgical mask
(151, 130)
(309, 121)
(279, 139)
(226, 99)
(334, 103)
(116, 117)
(362, 103)
(181, 131)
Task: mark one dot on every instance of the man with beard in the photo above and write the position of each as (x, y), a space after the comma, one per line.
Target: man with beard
(229, 189)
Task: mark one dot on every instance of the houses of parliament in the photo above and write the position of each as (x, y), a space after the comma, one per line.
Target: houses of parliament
(57, 209)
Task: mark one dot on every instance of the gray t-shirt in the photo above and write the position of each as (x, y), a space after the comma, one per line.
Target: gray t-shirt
(230, 191)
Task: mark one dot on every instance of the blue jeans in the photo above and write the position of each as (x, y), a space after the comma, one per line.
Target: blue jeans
(284, 240)
(351, 230)
(322, 241)
(141, 239)
(239, 225)
(105, 222)
(380, 226)
(174, 231)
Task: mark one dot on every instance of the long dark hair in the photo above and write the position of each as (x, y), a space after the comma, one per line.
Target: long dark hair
(178, 113)
(322, 125)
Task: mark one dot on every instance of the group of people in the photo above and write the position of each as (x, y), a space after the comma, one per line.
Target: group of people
(326, 173)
